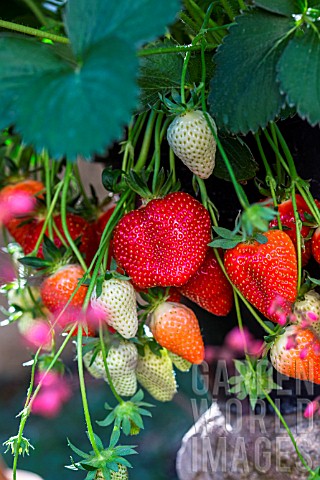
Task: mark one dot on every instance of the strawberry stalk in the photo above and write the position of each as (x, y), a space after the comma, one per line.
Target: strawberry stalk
(48, 216)
(298, 233)
(47, 170)
(24, 415)
(172, 166)
(146, 142)
(37, 12)
(33, 31)
(104, 357)
(67, 179)
(157, 151)
(30, 397)
(270, 180)
(85, 405)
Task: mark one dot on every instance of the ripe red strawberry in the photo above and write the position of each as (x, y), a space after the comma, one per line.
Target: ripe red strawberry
(263, 272)
(57, 289)
(209, 287)
(192, 141)
(287, 220)
(176, 328)
(315, 243)
(302, 361)
(164, 242)
(77, 226)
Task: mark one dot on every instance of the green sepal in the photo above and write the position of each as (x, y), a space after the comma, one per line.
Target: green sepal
(35, 262)
(225, 243)
(111, 180)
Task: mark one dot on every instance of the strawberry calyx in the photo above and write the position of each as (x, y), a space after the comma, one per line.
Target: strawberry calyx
(139, 184)
(128, 414)
(54, 258)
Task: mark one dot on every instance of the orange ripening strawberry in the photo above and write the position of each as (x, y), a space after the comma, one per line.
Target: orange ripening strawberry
(209, 287)
(163, 243)
(265, 271)
(176, 328)
(296, 354)
(57, 289)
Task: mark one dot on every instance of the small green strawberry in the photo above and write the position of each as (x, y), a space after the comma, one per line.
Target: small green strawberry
(307, 311)
(121, 474)
(118, 302)
(122, 362)
(155, 373)
(192, 141)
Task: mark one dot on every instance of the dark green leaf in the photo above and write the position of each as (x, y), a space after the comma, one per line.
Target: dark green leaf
(159, 74)
(73, 104)
(34, 262)
(135, 21)
(244, 92)
(283, 7)
(224, 232)
(240, 157)
(299, 74)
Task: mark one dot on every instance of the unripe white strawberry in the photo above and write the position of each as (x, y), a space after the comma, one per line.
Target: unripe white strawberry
(180, 363)
(192, 141)
(118, 302)
(307, 311)
(156, 374)
(121, 474)
(122, 362)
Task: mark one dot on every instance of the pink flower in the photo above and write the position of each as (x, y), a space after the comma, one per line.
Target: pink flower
(238, 340)
(313, 316)
(39, 335)
(311, 408)
(54, 392)
(19, 204)
(291, 342)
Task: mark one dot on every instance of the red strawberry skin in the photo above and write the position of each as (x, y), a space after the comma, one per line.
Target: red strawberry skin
(287, 220)
(77, 226)
(209, 287)
(57, 289)
(262, 272)
(164, 242)
(316, 245)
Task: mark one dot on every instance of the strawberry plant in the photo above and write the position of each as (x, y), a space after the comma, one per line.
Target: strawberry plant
(179, 100)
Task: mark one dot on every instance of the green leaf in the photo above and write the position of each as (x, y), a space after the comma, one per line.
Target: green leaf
(224, 243)
(244, 92)
(282, 7)
(240, 157)
(299, 74)
(73, 104)
(135, 21)
(224, 232)
(159, 74)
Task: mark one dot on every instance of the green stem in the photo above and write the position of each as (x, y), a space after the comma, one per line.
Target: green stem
(157, 151)
(83, 393)
(279, 169)
(172, 166)
(180, 48)
(242, 5)
(37, 12)
(276, 150)
(284, 423)
(298, 233)
(47, 170)
(64, 195)
(293, 172)
(81, 187)
(270, 180)
(25, 415)
(228, 9)
(48, 216)
(33, 31)
(146, 142)
(105, 363)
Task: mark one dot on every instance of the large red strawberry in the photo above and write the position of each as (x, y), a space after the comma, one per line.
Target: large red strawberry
(77, 226)
(264, 271)
(164, 242)
(296, 354)
(288, 221)
(209, 287)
